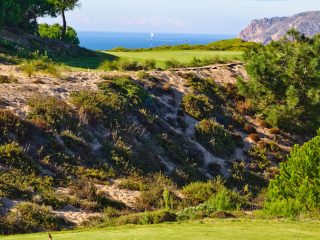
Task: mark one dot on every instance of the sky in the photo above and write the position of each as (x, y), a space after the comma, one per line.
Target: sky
(178, 16)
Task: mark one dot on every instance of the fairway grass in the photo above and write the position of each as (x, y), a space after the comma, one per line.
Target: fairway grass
(235, 229)
(183, 56)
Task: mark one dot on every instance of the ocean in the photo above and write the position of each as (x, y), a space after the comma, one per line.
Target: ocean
(109, 40)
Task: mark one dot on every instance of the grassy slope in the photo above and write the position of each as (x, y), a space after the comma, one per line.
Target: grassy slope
(86, 62)
(244, 229)
(183, 56)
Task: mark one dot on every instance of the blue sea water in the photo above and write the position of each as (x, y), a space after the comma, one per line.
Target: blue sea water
(109, 40)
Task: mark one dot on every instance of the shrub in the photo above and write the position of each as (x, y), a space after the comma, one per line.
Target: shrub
(109, 65)
(126, 89)
(223, 200)
(95, 106)
(12, 127)
(200, 192)
(215, 137)
(172, 64)
(122, 65)
(206, 86)
(55, 32)
(14, 156)
(149, 64)
(286, 97)
(197, 106)
(93, 199)
(128, 65)
(259, 159)
(28, 217)
(153, 197)
(146, 218)
(39, 63)
(29, 68)
(227, 200)
(57, 113)
(75, 143)
(132, 184)
(297, 184)
(285, 208)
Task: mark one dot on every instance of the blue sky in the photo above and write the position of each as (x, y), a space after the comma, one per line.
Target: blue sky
(179, 16)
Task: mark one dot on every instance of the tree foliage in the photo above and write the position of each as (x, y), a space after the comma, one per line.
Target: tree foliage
(55, 32)
(284, 83)
(62, 6)
(23, 13)
(297, 187)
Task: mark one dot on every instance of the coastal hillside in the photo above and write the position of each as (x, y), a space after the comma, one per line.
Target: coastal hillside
(80, 130)
(106, 140)
(268, 29)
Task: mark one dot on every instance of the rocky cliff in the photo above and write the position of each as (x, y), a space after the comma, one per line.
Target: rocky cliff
(268, 29)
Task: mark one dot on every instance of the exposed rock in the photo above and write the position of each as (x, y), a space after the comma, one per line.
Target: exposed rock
(268, 29)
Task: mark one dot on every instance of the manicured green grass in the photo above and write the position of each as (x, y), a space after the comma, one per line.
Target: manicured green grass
(243, 229)
(183, 56)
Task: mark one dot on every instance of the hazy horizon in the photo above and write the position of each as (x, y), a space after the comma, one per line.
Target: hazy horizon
(178, 16)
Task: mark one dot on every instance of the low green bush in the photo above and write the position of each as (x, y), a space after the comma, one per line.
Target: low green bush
(149, 64)
(12, 127)
(40, 63)
(127, 89)
(96, 107)
(126, 65)
(284, 208)
(296, 190)
(55, 32)
(57, 113)
(145, 218)
(14, 186)
(159, 194)
(132, 184)
(28, 217)
(223, 200)
(215, 137)
(200, 192)
(12, 155)
(172, 64)
(205, 86)
(197, 106)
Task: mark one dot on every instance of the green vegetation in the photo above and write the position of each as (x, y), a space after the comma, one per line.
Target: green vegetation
(197, 106)
(24, 14)
(55, 31)
(14, 13)
(223, 45)
(134, 127)
(204, 230)
(56, 113)
(61, 7)
(128, 65)
(215, 137)
(30, 217)
(40, 63)
(284, 83)
(179, 58)
(296, 189)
